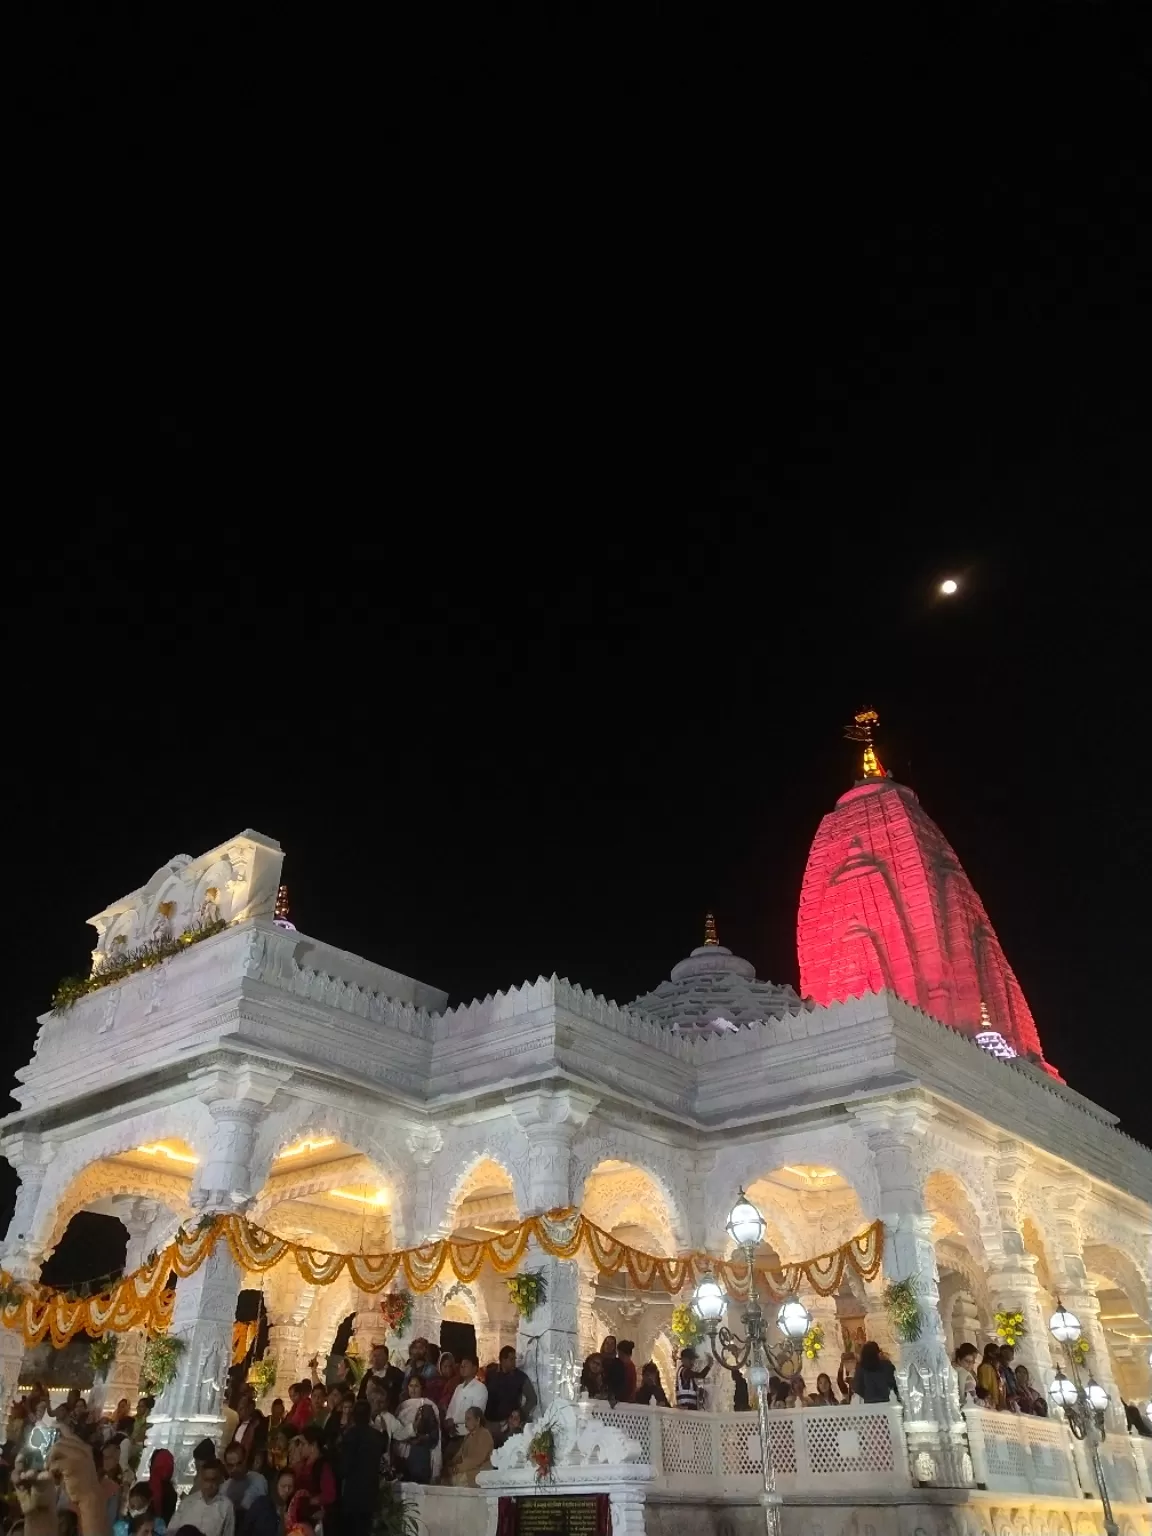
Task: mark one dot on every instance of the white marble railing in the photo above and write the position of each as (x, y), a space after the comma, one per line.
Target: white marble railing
(858, 1447)
(1017, 1453)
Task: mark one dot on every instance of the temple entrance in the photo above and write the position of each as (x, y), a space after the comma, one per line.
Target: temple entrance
(460, 1338)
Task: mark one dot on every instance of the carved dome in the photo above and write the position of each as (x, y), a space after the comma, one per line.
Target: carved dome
(713, 991)
(885, 903)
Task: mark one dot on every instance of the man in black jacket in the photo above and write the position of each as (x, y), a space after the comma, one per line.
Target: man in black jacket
(361, 1452)
(386, 1376)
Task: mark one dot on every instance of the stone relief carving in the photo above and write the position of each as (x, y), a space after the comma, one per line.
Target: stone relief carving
(465, 1147)
(667, 1170)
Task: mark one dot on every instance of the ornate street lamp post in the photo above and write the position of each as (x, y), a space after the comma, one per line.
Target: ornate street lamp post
(1083, 1403)
(746, 1228)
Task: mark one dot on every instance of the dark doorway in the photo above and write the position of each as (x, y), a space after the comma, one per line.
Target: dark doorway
(460, 1338)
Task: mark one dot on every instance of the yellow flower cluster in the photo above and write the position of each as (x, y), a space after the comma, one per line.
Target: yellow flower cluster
(1010, 1327)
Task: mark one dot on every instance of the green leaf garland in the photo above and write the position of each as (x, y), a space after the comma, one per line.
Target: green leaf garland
(904, 1309)
(142, 958)
(528, 1291)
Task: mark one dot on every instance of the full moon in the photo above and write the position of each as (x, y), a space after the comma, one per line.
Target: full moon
(948, 587)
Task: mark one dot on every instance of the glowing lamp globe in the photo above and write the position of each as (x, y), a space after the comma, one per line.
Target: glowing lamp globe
(745, 1224)
(1064, 1326)
(1096, 1395)
(709, 1300)
(948, 586)
(794, 1319)
(1062, 1392)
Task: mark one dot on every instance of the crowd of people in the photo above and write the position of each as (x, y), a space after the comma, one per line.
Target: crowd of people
(322, 1460)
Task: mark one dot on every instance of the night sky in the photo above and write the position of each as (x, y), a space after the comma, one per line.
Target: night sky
(880, 274)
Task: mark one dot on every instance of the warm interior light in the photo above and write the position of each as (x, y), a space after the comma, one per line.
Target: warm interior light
(1117, 1317)
(374, 1197)
(158, 1149)
(306, 1146)
(810, 1171)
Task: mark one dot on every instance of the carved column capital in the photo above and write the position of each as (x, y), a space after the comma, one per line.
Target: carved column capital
(237, 1101)
(424, 1142)
(551, 1122)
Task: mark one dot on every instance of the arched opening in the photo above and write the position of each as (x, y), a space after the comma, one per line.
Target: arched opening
(630, 1203)
(809, 1209)
(483, 1204)
(1124, 1318)
(965, 1306)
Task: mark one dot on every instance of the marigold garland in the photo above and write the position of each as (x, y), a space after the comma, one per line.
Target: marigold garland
(142, 1299)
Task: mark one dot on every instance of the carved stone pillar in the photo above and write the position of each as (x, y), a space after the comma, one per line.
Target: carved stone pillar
(1012, 1283)
(123, 1378)
(823, 1310)
(11, 1361)
(935, 1428)
(965, 1322)
(286, 1348)
(587, 1322)
(698, 1200)
(368, 1327)
(191, 1408)
(29, 1229)
(427, 1315)
(1076, 1292)
(550, 1338)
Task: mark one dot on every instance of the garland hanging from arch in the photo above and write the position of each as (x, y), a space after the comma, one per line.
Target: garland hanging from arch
(143, 1299)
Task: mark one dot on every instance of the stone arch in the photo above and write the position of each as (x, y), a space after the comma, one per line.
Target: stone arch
(666, 1174)
(482, 1171)
(618, 1194)
(1108, 1260)
(843, 1154)
(297, 1120)
(115, 1187)
(1124, 1316)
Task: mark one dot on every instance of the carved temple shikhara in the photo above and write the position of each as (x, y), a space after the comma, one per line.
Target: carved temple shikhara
(334, 1102)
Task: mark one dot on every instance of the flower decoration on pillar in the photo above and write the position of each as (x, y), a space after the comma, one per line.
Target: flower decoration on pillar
(904, 1310)
(161, 1362)
(528, 1291)
(542, 1453)
(1010, 1327)
(262, 1375)
(397, 1310)
(101, 1354)
(813, 1342)
(1079, 1349)
(686, 1327)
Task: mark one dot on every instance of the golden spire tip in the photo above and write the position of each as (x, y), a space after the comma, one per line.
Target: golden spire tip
(710, 936)
(864, 723)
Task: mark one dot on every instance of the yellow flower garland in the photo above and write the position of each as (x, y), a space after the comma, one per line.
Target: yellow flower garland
(143, 1300)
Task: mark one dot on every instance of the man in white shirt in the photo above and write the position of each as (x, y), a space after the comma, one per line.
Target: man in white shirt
(205, 1507)
(471, 1393)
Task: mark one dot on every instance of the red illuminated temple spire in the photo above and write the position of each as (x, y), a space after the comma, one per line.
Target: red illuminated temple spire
(885, 903)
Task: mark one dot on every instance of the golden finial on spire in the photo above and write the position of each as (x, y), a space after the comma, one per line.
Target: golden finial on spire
(710, 929)
(864, 722)
(985, 1021)
(280, 917)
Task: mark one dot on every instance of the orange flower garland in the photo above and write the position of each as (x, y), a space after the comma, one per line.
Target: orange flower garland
(144, 1300)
